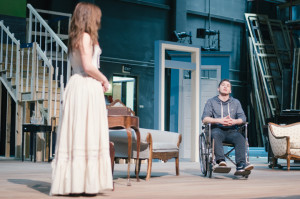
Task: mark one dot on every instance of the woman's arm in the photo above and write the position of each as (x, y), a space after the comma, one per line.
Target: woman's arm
(86, 54)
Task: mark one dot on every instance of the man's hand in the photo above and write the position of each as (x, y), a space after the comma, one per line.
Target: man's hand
(227, 121)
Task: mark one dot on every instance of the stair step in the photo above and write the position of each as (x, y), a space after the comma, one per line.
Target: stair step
(46, 102)
(52, 111)
(26, 96)
(54, 82)
(40, 90)
(48, 54)
(40, 86)
(40, 68)
(25, 73)
(39, 95)
(9, 46)
(3, 71)
(25, 60)
(25, 57)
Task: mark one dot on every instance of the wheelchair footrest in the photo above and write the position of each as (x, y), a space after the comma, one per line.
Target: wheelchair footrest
(222, 169)
(242, 173)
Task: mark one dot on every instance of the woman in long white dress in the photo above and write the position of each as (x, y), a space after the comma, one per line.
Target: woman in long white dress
(82, 162)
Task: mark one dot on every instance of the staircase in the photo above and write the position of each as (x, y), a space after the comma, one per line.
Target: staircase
(34, 75)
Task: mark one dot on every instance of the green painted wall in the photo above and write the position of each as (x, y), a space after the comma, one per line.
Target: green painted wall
(15, 8)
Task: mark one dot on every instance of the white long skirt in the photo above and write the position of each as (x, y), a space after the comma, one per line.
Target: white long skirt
(82, 161)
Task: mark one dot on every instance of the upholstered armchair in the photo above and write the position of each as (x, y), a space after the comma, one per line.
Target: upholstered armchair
(155, 144)
(285, 142)
(162, 145)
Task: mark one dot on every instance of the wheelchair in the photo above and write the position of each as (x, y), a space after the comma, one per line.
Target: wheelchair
(206, 150)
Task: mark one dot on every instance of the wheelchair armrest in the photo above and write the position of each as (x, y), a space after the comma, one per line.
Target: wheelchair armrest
(207, 126)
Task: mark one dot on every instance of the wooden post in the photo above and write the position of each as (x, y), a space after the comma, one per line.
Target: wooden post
(19, 122)
(0, 104)
(33, 72)
(27, 112)
(27, 120)
(8, 126)
(39, 137)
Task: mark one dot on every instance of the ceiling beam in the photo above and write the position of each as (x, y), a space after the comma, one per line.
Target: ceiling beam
(293, 3)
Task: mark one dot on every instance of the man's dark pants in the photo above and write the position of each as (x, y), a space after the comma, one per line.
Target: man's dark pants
(232, 136)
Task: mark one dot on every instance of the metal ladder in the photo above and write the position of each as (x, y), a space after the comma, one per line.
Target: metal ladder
(269, 63)
(281, 38)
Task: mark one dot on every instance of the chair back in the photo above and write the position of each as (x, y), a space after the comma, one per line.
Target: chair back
(118, 108)
(292, 130)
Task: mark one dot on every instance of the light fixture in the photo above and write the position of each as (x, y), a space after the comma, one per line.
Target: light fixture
(180, 36)
(202, 33)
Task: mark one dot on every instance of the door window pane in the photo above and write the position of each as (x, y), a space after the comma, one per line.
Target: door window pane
(124, 90)
(208, 74)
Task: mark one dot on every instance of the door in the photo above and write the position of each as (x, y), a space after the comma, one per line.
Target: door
(210, 77)
(124, 89)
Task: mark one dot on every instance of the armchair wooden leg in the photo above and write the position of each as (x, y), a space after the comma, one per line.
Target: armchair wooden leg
(129, 155)
(112, 159)
(177, 165)
(149, 168)
(138, 167)
(288, 163)
(112, 155)
(274, 162)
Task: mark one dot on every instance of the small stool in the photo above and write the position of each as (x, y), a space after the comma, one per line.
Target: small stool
(33, 129)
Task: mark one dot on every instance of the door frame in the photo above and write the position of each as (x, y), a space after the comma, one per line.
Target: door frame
(159, 86)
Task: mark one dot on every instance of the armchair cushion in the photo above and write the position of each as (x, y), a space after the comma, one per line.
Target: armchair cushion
(295, 145)
(163, 141)
(295, 152)
(164, 147)
(120, 140)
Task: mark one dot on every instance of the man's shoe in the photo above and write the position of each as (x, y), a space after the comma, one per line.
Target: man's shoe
(249, 167)
(222, 164)
(240, 167)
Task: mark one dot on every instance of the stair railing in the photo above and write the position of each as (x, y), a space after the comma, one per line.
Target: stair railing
(58, 21)
(51, 40)
(6, 65)
(55, 50)
(39, 67)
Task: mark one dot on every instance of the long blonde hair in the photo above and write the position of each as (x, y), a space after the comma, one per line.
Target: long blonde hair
(86, 18)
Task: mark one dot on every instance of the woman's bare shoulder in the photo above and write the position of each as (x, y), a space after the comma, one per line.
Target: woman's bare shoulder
(86, 37)
(86, 40)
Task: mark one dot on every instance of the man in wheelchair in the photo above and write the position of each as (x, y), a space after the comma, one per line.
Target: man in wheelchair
(225, 114)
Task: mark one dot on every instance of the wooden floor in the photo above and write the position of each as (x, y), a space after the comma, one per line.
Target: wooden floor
(33, 180)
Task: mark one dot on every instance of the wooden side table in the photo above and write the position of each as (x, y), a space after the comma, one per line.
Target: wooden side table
(33, 129)
(127, 122)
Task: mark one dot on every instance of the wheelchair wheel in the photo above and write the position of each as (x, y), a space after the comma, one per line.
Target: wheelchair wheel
(203, 155)
(210, 165)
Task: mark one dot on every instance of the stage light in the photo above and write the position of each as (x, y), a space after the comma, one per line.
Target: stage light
(201, 32)
(180, 36)
(213, 43)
